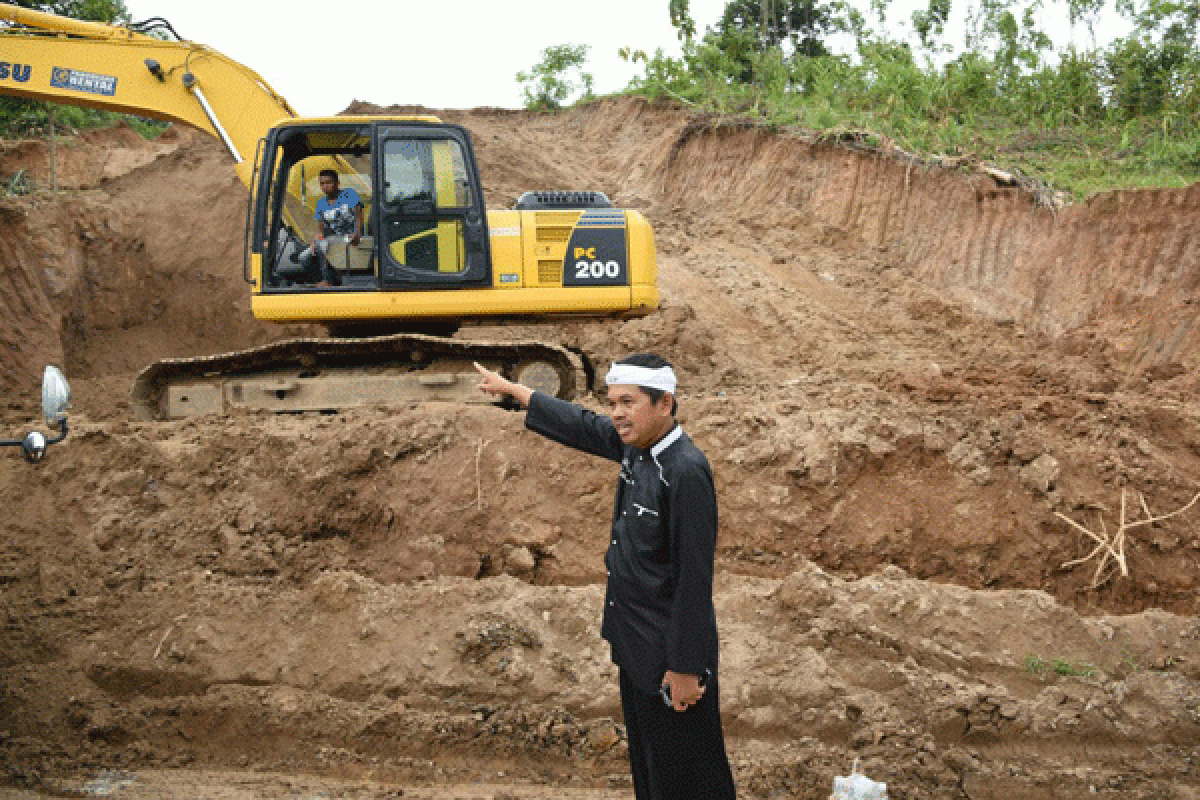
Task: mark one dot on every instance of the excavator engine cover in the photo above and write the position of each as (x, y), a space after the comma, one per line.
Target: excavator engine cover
(540, 201)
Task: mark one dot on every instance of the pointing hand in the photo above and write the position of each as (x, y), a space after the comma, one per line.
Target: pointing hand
(496, 384)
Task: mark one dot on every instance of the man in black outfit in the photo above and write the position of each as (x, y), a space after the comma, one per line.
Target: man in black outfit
(658, 610)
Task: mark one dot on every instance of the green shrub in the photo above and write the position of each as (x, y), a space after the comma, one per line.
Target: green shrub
(550, 82)
(1127, 114)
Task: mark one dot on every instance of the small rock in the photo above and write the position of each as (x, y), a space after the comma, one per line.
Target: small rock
(519, 561)
(966, 455)
(1027, 446)
(1040, 474)
(603, 737)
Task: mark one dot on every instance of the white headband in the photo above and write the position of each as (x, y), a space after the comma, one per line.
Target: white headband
(662, 378)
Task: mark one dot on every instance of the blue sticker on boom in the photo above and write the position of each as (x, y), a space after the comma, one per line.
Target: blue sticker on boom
(91, 82)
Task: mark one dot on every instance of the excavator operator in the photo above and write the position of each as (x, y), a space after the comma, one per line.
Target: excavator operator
(340, 211)
(339, 214)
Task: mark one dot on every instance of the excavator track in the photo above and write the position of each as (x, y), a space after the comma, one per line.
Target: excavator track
(320, 374)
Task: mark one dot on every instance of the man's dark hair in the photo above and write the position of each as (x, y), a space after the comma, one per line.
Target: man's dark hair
(651, 361)
(329, 173)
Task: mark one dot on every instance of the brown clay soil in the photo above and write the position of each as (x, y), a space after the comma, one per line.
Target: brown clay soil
(906, 378)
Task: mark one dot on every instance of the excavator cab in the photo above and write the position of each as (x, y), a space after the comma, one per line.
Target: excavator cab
(422, 203)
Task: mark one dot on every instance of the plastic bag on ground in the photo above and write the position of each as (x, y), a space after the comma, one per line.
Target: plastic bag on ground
(857, 787)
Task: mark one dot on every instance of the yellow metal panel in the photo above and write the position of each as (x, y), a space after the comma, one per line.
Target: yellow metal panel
(451, 248)
(644, 298)
(443, 175)
(545, 237)
(53, 22)
(361, 119)
(550, 271)
(504, 228)
(451, 304)
(643, 261)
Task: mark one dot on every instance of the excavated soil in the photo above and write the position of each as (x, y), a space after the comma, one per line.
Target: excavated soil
(907, 379)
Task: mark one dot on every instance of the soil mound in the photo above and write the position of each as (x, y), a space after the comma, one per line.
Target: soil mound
(908, 381)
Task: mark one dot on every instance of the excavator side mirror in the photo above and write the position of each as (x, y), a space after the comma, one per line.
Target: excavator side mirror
(56, 396)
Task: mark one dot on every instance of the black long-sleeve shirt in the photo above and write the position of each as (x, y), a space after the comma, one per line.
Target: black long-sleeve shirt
(658, 610)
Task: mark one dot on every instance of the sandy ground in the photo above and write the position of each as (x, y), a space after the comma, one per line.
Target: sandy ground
(906, 378)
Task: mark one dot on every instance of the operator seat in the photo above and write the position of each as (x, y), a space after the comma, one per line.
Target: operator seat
(287, 249)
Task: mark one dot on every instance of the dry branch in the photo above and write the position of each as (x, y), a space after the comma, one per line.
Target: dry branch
(1112, 548)
(478, 480)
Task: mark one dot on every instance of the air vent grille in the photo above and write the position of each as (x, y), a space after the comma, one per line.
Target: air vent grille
(549, 235)
(556, 218)
(550, 272)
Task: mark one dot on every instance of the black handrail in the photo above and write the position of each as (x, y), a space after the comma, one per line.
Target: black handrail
(258, 151)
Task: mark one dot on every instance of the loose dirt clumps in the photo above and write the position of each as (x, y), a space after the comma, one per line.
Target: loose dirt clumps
(905, 378)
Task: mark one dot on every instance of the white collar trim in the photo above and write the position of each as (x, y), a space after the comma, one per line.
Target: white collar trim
(666, 442)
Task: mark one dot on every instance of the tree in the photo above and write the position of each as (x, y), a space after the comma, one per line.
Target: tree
(1154, 70)
(108, 11)
(547, 82)
(682, 22)
(930, 23)
(771, 23)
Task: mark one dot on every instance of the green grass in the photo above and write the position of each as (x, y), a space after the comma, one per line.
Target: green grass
(1080, 160)
(1059, 666)
(23, 119)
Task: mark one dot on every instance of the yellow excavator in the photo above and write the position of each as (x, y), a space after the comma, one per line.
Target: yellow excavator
(425, 258)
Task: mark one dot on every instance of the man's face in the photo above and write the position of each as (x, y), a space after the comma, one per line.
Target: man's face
(639, 420)
(329, 185)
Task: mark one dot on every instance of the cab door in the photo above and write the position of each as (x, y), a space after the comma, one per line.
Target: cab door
(429, 221)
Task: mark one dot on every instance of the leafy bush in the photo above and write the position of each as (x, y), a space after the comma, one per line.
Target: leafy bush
(548, 84)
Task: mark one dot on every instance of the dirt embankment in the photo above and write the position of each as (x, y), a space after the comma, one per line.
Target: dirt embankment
(1124, 261)
(902, 376)
(139, 261)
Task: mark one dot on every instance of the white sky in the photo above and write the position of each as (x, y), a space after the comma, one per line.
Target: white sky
(439, 54)
(436, 53)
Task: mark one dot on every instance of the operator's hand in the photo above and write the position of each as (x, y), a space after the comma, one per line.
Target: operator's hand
(355, 239)
(686, 690)
(497, 384)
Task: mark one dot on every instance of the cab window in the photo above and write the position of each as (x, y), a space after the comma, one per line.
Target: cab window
(426, 189)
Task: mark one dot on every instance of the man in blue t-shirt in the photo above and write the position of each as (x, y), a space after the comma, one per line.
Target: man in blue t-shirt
(339, 213)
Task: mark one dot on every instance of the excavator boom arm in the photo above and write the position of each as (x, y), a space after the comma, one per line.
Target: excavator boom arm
(62, 60)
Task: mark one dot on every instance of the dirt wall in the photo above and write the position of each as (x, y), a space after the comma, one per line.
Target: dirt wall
(1125, 262)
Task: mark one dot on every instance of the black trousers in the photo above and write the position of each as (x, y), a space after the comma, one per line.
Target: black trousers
(676, 755)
